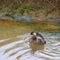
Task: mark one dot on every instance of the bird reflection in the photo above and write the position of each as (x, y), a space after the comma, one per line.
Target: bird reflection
(35, 47)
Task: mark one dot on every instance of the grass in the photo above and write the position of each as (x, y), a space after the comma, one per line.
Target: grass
(10, 15)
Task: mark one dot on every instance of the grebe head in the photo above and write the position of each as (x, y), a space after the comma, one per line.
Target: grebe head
(33, 33)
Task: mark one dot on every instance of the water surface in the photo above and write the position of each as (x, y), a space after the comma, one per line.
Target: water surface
(14, 43)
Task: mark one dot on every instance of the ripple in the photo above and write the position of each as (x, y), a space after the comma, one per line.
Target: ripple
(19, 48)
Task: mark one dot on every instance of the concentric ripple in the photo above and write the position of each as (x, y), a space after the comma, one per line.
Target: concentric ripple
(19, 48)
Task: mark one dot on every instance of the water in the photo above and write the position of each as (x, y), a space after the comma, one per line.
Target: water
(14, 43)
